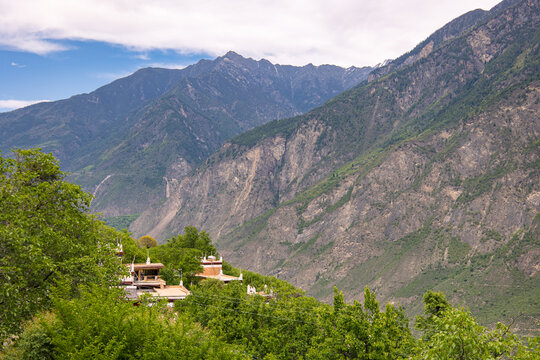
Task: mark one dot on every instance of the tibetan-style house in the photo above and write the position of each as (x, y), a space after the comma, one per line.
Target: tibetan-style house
(213, 269)
(144, 278)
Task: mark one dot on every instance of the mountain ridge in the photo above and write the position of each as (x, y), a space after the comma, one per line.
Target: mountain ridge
(124, 141)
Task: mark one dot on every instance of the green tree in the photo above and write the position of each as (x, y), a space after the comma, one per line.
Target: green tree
(132, 251)
(299, 327)
(453, 333)
(353, 331)
(457, 335)
(193, 239)
(435, 305)
(282, 328)
(147, 242)
(46, 236)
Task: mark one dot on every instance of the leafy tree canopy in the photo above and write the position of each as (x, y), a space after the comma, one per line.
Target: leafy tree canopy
(46, 235)
(193, 239)
(147, 242)
(453, 333)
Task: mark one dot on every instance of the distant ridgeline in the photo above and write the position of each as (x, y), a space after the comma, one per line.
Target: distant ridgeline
(129, 141)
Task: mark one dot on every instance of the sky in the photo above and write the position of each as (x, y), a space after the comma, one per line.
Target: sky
(53, 49)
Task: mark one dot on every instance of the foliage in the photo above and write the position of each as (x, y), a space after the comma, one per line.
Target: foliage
(132, 251)
(147, 241)
(453, 333)
(193, 239)
(362, 332)
(458, 336)
(435, 304)
(46, 235)
(295, 327)
(35, 342)
(283, 328)
(100, 324)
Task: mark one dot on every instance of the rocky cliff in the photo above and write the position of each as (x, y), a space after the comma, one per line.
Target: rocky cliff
(427, 177)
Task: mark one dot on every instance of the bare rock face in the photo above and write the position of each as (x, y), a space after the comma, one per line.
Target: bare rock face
(234, 189)
(426, 178)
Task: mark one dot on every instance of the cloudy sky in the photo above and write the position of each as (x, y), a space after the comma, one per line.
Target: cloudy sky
(57, 48)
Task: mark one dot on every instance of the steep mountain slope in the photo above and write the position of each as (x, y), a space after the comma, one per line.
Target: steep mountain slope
(124, 141)
(427, 177)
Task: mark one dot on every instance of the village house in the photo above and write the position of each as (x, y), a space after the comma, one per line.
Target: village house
(213, 269)
(145, 279)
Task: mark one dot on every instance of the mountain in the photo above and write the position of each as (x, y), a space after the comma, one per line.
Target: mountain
(69, 128)
(127, 140)
(426, 177)
(451, 30)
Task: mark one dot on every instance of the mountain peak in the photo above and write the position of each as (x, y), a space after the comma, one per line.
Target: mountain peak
(233, 56)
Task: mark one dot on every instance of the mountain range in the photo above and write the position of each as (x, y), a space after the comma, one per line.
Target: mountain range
(124, 141)
(426, 176)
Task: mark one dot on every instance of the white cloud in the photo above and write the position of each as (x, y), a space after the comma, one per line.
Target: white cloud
(343, 32)
(144, 57)
(7, 105)
(13, 63)
(28, 42)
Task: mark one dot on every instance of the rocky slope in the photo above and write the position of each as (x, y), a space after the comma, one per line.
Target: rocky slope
(426, 177)
(125, 141)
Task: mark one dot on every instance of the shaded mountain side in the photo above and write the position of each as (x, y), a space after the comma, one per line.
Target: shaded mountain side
(74, 128)
(124, 141)
(421, 178)
(193, 119)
